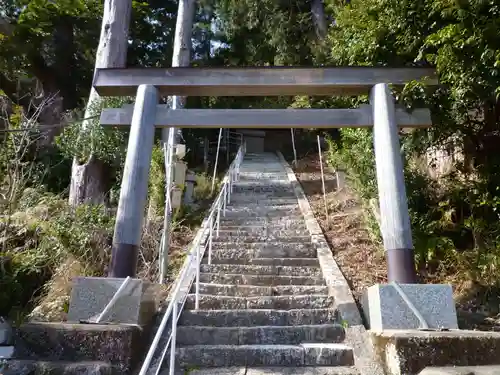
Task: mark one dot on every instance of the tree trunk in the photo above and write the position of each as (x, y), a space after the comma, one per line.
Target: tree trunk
(181, 57)
(319, 19)
(182, 50)
(88, 180)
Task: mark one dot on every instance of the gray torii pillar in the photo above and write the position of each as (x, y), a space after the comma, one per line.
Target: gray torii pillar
(394, 216)
(134, 188)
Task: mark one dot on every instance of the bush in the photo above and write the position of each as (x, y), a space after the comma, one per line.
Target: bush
(41, 235)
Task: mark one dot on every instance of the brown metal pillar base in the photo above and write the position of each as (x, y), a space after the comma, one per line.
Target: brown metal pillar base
(123, 260)
(401, 266)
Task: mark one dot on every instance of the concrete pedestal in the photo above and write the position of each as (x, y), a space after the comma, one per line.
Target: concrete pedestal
(90, 295)
(385, 308)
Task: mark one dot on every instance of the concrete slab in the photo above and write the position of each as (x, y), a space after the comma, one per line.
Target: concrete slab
(462, 370)
(119, 345)
(6, 352)
(385, 308)
(90, 295)
(407, 352)
(337, 370)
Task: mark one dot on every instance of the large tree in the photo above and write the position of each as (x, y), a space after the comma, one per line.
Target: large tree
(88, 179)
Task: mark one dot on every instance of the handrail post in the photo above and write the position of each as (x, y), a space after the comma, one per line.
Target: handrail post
(196, 253)
(224, 196)
(173, 339)
(216, 161)
(218, 218)
(395, 219)
(197, 291)
(210, 233)
(322, 178)
(232, 180)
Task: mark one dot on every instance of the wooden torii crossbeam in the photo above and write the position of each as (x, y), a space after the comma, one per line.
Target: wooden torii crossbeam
(265, 118)
(149, 83)
(261, 81)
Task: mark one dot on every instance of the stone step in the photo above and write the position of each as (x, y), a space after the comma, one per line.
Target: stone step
(242, 195)
(260, 335)
(259, 280)
(275, 370)
(252, 201)
(263, 178)
(264, 185)
(262, 205)
(258, 250)
(255, 317)
(58, 367)
(208, 301)
(256, 291)
(302, 262)
(461, 370)
(262, 239)
(261, 270)
(266, 214)
(264, 232)
(269, 249)
(287, 220)
(243, 211)
(256, 228)
(265, 355)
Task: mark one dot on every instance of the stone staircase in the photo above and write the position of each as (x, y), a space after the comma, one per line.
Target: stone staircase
(263, 299)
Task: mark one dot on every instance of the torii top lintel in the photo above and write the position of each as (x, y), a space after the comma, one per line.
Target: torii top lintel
(256, 81)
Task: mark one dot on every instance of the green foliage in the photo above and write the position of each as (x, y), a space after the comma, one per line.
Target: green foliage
(81, 140)
(203, 187)
(157, 180)
(42, 234)
(454, 218)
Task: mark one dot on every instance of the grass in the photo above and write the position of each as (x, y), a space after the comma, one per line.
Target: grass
(45, 244)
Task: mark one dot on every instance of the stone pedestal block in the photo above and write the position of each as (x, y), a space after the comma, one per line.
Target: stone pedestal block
(409, 352)
(90, 295)
(385, 308)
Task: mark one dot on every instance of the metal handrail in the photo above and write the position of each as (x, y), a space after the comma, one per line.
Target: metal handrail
(197, 249)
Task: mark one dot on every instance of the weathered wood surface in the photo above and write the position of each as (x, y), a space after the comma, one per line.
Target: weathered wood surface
(265, 118)
(88, 183)
(255, 81)
(134, 187)
(395, 224)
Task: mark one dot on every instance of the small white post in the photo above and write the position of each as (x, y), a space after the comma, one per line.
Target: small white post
(294, 150)
(224, 194)
(173, 339)
(218, 216)
(210, 234)
(322, 178)
(165, 240)
(197, 291)
(216, 160)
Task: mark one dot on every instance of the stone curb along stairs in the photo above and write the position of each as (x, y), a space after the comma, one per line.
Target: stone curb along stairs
(357, 336)
(265, 307)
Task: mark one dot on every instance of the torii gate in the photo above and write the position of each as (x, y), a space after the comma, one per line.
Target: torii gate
(149, 83)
